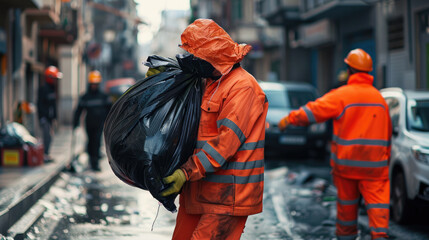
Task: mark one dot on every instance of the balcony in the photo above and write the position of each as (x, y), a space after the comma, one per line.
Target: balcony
(280, 12)
(64, 33)
(23, 4)
(294, 12)
(42, 16)
(318, 9)
(260, 37)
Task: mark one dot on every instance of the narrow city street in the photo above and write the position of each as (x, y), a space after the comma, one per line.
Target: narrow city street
(299, 203)
(272, 96)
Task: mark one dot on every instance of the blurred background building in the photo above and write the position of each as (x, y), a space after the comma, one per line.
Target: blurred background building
(165, 42)
(74, 35)
(307, 40)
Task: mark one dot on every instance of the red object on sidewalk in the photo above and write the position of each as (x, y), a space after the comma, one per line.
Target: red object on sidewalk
(34, 156)
(27, 155)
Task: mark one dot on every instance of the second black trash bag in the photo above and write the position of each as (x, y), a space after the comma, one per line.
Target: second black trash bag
(152, 129)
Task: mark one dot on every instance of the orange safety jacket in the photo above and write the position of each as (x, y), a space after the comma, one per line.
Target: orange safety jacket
(226, 173)
(362, 128)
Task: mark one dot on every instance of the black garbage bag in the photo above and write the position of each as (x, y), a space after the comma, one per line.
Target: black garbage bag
(151, 130)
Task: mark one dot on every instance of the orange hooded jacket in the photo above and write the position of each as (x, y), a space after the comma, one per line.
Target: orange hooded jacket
(362, 128)
(226, 172)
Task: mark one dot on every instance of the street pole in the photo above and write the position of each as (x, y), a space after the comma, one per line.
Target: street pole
(8, 62)
(1, 96)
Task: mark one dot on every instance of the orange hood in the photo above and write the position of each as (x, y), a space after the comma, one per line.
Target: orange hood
(208, 41)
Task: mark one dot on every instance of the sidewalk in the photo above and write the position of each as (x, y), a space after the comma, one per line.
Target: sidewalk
(21, 187)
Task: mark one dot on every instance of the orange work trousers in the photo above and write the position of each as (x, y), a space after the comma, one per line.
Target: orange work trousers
(208, 226)
(376, 194)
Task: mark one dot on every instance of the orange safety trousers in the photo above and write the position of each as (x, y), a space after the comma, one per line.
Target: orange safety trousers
(208, 226)
(376, 194)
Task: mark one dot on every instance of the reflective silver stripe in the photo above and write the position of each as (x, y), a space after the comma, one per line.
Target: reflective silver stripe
(234, 179)
(205, 161)
(214, 154)
(252, 145)
(347, 223)
(379, 230)
(350, 237)
(94, 103)
(361, 141)
(377, 205)
(231, 125)
(51, 95)
(310, 116)
(243, 165)
(359, 105)
(200, 144)
(359, 163)
(244, 146)
(348, 202)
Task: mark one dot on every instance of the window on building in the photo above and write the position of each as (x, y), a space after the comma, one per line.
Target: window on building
(237, 10)
(395, 33)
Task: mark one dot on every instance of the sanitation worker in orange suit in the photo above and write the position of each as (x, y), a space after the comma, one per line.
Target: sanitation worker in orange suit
(223, 181)
(360, 146)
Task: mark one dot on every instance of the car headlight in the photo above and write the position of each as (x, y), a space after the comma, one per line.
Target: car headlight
(420, 154)
(317, 128)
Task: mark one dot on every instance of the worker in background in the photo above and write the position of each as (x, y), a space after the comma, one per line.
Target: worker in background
(360, 146)
(223, 181)
(47, 107)
(96, 105)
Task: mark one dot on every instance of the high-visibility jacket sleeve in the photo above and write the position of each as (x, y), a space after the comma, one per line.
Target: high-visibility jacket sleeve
(322, 109)
(236, 119)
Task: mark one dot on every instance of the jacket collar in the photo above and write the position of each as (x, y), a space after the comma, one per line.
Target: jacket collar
(359, 78)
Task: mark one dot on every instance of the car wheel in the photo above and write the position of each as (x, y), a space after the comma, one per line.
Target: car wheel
(401, 206)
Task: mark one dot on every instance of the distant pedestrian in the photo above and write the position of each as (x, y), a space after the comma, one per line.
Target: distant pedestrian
(360, 146)
(47, 107)
(96, 104)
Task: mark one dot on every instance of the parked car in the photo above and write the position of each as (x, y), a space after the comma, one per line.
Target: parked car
(116, 87)
(283, 98)
(409, 163)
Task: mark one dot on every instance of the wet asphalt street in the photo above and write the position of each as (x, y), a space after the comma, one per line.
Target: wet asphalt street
(299, 203)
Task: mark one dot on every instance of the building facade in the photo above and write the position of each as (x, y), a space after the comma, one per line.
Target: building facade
(316, 35)
(35, 34)
(393, 32)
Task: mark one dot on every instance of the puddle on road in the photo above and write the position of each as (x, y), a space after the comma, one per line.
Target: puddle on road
(305, 207)
(92, 207)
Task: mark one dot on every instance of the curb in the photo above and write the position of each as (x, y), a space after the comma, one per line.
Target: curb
(20, 229)
(40, 182)
(14, 212)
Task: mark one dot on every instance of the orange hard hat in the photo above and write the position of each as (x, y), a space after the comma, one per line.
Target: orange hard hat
(359, 59)
(52, 73)
(94, 77)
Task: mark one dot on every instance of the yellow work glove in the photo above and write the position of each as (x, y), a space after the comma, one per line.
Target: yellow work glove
(154, 71)
(284, 123)
(177, 179)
